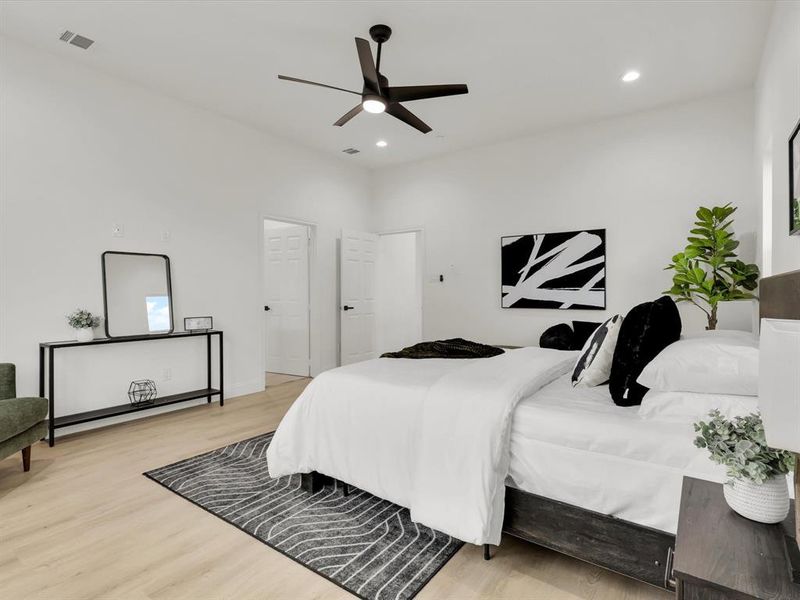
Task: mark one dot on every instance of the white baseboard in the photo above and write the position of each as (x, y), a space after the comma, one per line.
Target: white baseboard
(243, 388)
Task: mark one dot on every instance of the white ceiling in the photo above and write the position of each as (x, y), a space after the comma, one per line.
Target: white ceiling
(529, 65)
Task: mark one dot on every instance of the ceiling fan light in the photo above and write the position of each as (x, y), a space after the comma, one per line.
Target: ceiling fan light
(631, 76)
(374, 104)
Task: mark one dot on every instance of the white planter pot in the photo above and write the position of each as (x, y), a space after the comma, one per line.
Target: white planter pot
(84, 335)
(766, 502)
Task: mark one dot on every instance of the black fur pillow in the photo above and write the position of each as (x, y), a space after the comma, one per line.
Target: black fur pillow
(646, 331)
(583, 331)
(558, 337)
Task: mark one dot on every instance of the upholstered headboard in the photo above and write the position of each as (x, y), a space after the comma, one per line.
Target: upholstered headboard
(779, 296)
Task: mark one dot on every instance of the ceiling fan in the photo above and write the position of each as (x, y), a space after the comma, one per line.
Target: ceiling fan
(377, 95)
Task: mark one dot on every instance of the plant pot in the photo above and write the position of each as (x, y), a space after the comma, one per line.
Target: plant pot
(84, 335)
(766, 502)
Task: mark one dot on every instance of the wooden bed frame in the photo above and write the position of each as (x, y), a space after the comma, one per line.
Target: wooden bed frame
(627, 548)
(633, 550)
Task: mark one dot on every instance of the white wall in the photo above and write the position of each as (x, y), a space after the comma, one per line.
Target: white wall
(81, 151)
(398, 293)
(777, 102)
(641, 177)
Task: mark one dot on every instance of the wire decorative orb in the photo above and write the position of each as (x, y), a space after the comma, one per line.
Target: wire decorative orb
(142, 391)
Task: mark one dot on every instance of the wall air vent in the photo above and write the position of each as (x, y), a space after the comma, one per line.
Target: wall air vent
(76, 40)
(351, 151)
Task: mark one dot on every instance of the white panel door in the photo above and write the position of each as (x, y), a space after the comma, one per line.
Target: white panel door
(357, 296)
(286, 300)
(398, 309)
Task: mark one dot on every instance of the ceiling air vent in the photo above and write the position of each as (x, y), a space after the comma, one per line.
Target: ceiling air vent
(76, 40)
(351, 151)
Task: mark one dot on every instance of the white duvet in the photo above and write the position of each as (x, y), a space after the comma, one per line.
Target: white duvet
(431, 435)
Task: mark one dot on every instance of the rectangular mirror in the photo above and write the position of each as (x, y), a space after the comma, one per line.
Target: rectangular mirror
(137, 294)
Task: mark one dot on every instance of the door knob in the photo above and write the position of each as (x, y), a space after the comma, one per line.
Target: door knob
(345, 307)
(267, 308)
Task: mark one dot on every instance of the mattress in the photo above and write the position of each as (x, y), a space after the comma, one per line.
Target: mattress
(576, 446)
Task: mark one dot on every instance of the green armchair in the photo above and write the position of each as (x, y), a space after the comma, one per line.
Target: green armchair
(22, 420)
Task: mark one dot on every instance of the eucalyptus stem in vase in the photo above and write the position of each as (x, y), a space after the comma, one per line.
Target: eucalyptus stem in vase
(757, 488)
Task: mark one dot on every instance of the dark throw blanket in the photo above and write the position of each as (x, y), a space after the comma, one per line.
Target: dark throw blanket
(455, 348)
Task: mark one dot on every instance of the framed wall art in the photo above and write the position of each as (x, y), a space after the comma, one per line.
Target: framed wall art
(565, 270)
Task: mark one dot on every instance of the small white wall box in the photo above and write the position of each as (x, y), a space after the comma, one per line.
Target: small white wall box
(779, 383)
(198, 324)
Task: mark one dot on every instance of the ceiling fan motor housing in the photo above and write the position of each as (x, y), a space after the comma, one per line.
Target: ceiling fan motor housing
(380, 33)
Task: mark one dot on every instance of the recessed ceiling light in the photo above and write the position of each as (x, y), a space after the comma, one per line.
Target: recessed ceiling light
(381, 144)
(631, 76)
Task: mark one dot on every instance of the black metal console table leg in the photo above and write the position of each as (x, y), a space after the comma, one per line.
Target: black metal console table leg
(51, 397)
(221, 376)
(41, 371)
(41, 379)
(208, 364)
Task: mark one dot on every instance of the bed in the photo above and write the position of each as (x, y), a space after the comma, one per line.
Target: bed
(581, 475)
(574, 445)
(578, 463)
(598, 482)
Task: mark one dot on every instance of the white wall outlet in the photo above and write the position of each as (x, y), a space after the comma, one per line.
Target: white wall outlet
(118, 230)
(166, 375)
(165, 236)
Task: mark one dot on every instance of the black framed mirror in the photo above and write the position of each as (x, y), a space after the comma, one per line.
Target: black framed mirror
(137, 294)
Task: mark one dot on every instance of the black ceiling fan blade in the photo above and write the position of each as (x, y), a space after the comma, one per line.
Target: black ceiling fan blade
(421, 92)
(367, 65)
(332, 87)
(406, 116)
(349, 115)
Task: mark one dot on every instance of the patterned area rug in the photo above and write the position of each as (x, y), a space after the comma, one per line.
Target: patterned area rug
(366, 545)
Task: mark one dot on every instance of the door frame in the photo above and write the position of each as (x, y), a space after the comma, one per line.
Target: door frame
(312, 255)
(421, 262)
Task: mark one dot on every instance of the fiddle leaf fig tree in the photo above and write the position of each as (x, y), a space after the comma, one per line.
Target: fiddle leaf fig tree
(708, 271)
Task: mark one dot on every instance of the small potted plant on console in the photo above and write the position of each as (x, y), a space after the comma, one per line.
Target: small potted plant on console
(83, 322)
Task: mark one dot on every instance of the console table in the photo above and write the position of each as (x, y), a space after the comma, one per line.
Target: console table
(49, 348)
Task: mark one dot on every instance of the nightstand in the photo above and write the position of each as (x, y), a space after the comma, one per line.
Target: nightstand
(720, 555)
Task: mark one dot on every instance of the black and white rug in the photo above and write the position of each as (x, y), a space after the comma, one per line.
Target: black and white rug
(366, 545)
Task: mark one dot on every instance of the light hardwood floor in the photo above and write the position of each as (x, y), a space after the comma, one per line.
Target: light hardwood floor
(84, 523)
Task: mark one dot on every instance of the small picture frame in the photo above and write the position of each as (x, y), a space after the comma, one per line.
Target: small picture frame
(794, 181)
(198, 324)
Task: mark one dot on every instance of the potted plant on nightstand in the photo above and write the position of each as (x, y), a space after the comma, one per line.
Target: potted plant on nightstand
(708, 271)
(83, 322)
(757, 489)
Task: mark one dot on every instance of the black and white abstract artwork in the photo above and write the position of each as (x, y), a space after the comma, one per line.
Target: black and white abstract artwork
(554, 270)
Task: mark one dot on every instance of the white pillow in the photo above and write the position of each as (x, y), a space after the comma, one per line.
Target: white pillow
(733, 336)
(683, 406)
(718, 362)
(593, 366)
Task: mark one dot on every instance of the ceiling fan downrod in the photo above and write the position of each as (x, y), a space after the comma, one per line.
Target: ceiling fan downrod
(380, 34)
